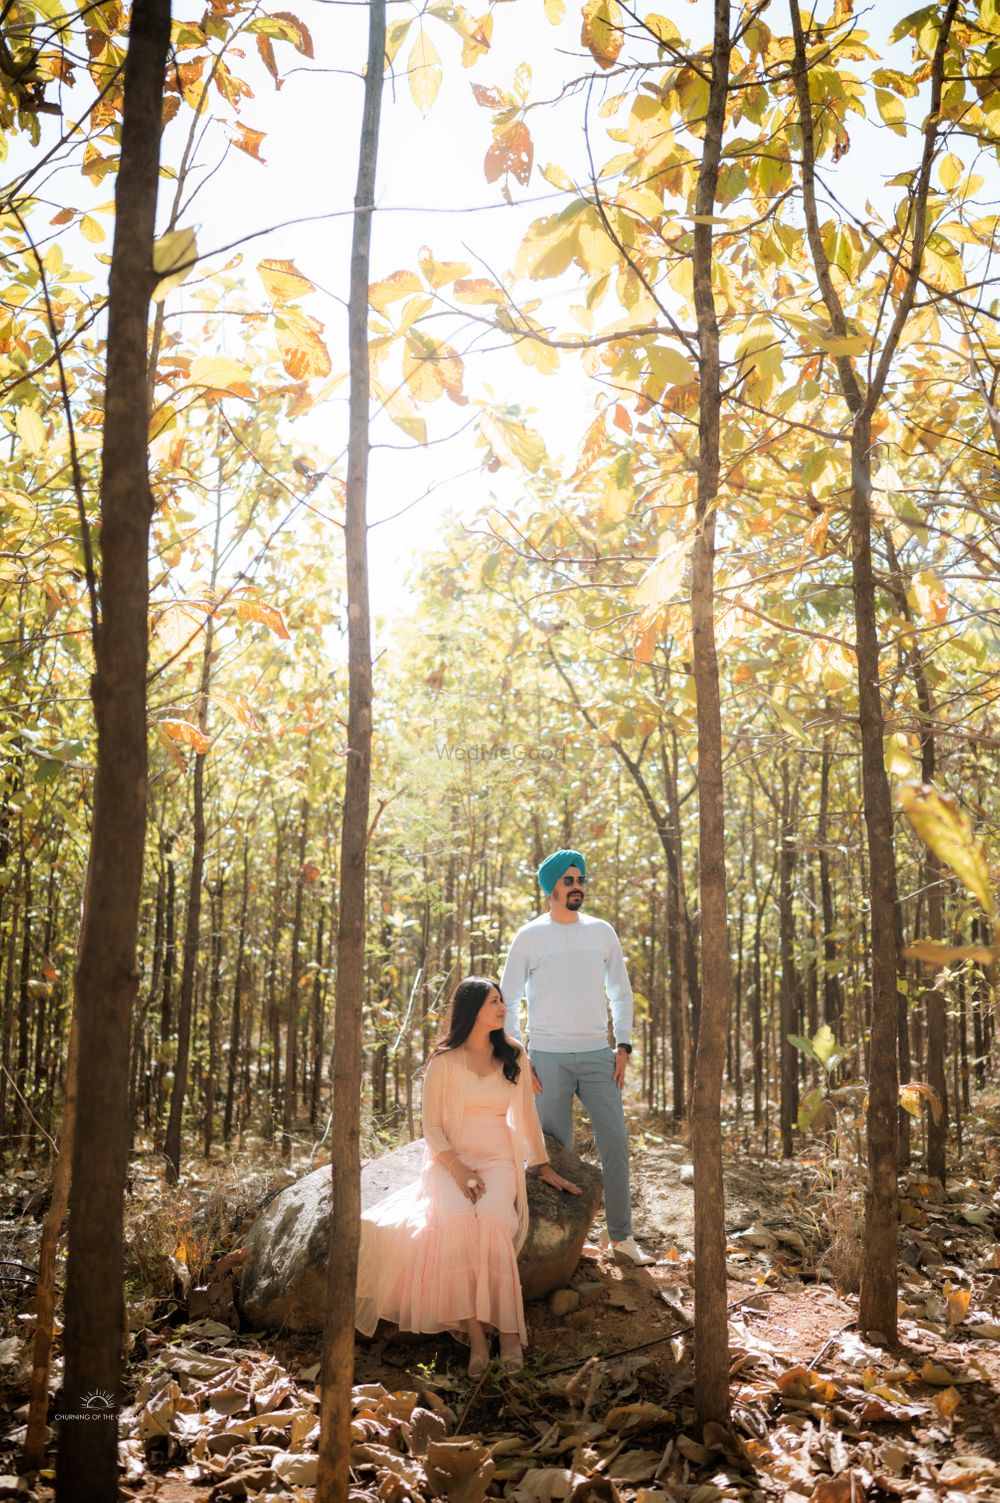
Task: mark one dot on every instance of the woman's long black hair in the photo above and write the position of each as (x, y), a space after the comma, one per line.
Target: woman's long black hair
(467, 999)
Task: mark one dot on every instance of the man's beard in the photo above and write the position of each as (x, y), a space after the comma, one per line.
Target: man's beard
(574, 900)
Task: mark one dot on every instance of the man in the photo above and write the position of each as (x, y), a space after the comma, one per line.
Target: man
(568, 965)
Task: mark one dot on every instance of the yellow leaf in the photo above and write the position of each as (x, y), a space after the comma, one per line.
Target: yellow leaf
(185, 734)
(432, 369)
(91, 230)
(31, 430)
(911, 1094)
(661, 581)
(943, 827)
(512, 441)
(303, 353)
(266, 615)
(440, 273)
(391, 289)
(603, 31)
(477, 290)
(554, 11)
(283, 282)
(174, 258)
(670, 366)
(401, 411)
(899, 760)
(219, 372)
(424, 69)
(950, 170)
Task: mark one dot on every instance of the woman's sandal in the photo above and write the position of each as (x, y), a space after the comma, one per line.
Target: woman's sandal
(478, 1364)
(512, 1362)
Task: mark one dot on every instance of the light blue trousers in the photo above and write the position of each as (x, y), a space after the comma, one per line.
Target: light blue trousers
(589, 1076)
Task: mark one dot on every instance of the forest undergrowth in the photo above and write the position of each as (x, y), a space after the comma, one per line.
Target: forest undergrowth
(604, 1409)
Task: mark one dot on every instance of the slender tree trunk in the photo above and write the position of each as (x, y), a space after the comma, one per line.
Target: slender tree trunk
(107, 979)
(711, 1358)
(216, 905)
(877, 1309)
(192, 928)
(342, 1264)
(787, 1053)
(33, 1455)
(235, 1032)
(833, 999)
(294, 993)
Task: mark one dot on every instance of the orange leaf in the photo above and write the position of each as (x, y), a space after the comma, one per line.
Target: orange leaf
(266, 615)
(185, 734)
(63, 217)
(958, 1305)
(238, 707)
(844, 1488)
(490, 99)
(248, 140)
(928, 596)
(303, 353)
(815, 538)
(512, 152)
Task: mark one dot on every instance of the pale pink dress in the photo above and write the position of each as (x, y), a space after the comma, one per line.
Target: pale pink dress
(430, 1260)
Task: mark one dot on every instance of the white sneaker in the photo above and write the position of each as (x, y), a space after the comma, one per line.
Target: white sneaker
(629, 1248)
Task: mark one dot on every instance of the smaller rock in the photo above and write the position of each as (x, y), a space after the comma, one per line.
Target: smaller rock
(563, 1301)
(686, 1175)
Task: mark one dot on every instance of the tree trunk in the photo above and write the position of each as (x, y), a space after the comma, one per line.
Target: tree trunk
(342, 1264)
(216, 905)
(235, 1032)
(787, 1052)
(294, 994)
(107, 979)
(711, 1362)
(192, 927)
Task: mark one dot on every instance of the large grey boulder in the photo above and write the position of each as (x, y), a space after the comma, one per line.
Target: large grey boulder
(284, 1277)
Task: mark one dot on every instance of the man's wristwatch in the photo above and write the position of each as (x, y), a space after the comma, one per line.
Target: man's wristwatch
(626, 1047)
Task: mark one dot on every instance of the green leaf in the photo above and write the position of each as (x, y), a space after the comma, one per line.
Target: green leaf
(808, 1107)
(803, 1045)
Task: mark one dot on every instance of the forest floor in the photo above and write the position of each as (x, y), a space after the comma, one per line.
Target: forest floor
(603, 1410)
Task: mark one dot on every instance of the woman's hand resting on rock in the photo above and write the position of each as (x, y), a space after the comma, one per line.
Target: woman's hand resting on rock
(549, 1175)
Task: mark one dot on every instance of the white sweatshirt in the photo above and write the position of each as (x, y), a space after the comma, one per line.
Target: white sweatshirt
(567, 972)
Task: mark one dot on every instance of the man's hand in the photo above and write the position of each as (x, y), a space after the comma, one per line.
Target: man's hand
(536, 1084)
(621, 1064)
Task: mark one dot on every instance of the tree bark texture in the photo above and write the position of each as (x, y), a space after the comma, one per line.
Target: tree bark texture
(106, 977)
(711, 1361)
(342, 1265)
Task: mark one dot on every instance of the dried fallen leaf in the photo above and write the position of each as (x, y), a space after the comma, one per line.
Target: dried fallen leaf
(628, 1419)
(459, 1470)
(946, 1402)
(844, 1488)
(959, 1301)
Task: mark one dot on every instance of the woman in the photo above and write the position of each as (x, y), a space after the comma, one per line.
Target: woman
(442, 1255)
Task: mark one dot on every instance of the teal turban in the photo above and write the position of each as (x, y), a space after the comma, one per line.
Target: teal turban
(553, 867)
